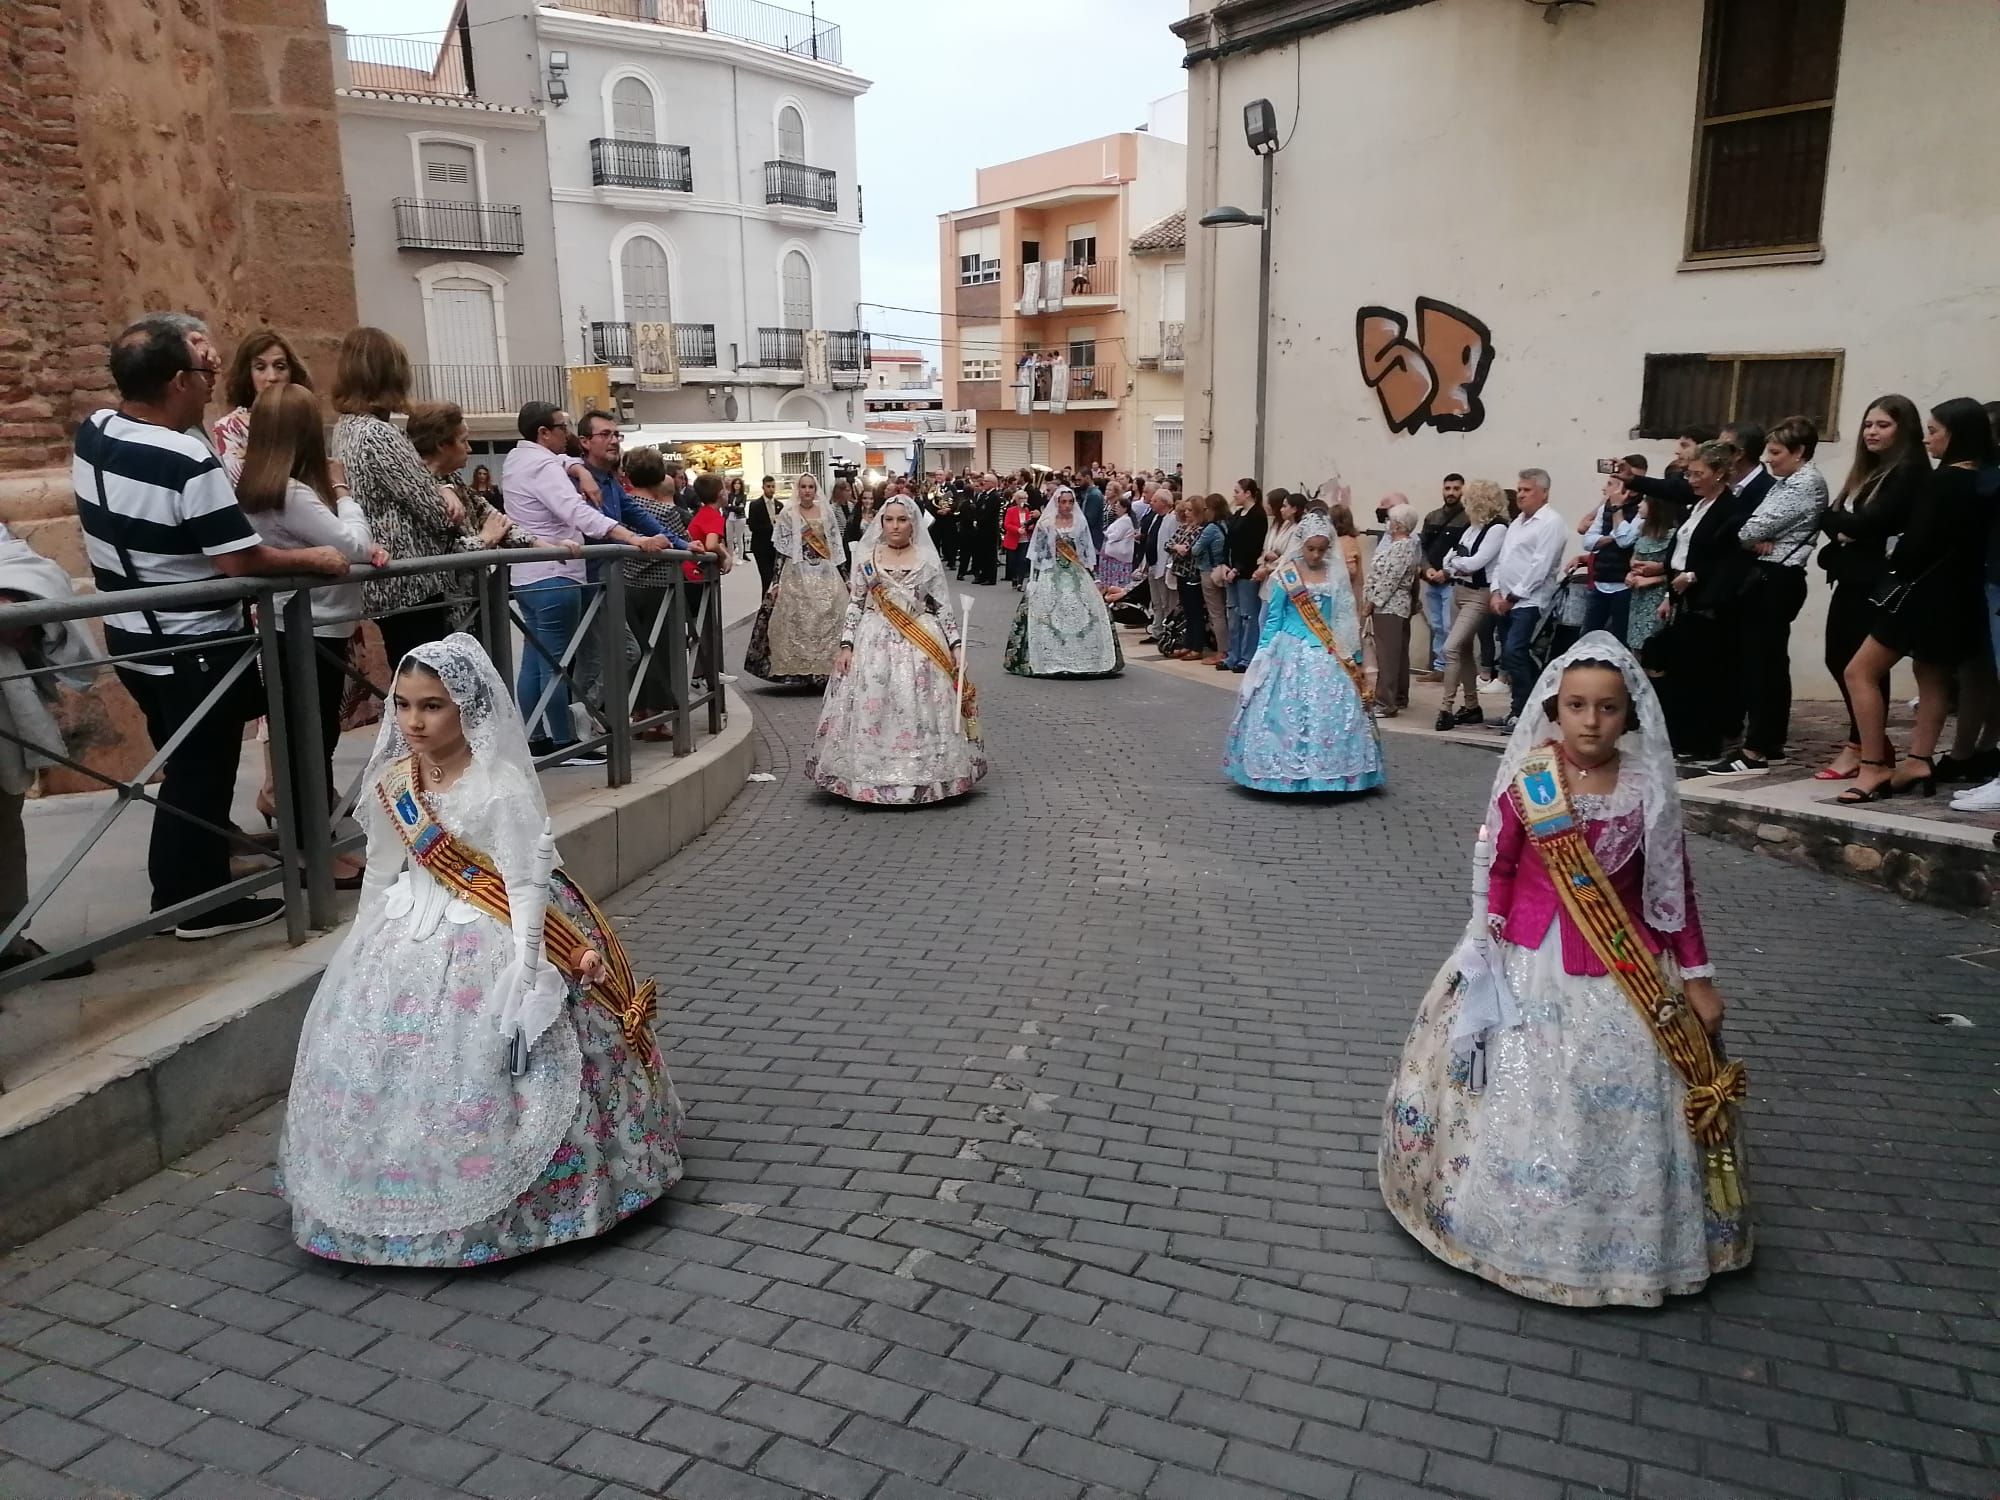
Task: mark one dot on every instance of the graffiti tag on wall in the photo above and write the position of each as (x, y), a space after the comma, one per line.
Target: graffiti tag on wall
(1433, 381)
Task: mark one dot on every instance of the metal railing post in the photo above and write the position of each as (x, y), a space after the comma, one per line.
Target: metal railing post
(305, 732)
(711, 641)
(675, 644)
(617, 675)
(270, 652)
(494, 621)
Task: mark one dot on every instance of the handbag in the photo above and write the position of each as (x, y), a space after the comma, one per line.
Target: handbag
(1891, 593)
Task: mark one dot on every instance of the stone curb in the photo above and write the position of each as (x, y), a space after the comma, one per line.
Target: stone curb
(74, 1136)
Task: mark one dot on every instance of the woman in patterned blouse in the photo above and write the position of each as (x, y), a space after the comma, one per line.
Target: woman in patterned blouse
(1390, 591)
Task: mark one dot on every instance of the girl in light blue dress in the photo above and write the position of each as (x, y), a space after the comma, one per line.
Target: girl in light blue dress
(1303, 720)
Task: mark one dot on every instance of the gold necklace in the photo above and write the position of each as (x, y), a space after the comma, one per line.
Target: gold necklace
(435, 771)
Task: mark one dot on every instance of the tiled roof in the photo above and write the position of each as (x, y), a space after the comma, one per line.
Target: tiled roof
(1169, 233)
(443, 101)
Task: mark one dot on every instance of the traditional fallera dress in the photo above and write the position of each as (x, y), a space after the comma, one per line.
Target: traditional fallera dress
(893, 729)
(1062, 627)
(1559, 1123)
(459, 1097)
(797, 630)
(1302, 717)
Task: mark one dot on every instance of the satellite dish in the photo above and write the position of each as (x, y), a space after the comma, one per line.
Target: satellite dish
(729, 407)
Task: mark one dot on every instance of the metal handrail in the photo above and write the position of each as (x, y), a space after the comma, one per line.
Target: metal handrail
(282, 646)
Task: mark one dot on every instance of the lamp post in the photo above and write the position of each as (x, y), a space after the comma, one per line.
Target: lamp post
(1260, 130)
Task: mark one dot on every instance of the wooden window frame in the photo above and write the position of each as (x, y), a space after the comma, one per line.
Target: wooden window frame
(1737, 360)
(1695, 259)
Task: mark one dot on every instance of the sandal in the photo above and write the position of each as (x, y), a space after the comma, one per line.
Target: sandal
(1830, 773)
(1882, 791)
(1923, 786)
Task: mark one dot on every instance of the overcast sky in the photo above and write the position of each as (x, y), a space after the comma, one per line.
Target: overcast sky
(958, 84)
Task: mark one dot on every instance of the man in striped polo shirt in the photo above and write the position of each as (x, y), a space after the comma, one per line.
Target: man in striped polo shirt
(157, 508)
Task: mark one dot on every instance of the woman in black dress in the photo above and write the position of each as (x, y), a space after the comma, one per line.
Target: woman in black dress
(1927, 606)
(1889, 471)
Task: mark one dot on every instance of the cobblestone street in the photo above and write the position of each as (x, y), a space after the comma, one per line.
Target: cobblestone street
(1031, 1157)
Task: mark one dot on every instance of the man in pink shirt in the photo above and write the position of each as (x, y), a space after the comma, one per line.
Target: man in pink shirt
(542, 500)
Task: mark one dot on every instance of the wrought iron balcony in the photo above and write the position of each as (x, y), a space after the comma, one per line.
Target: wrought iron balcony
(781, 348)
(848, 349)
(490, 390)
(801, 186)
(641, 164)
(694, 344)
(1097, 278)
(437, 224)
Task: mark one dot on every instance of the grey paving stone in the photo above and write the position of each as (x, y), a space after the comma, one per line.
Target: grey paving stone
(341, 1428)
(44, 1438)
(329, 1476)
(228, 1394)
(58, 1389)
(130, 1469)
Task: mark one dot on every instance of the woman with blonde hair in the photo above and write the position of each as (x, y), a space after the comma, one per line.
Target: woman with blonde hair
(296, 497)
(1476, 550)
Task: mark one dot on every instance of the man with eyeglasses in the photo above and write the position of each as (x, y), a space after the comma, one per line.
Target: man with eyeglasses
(543, 501)
(156, 508)
(603, 457)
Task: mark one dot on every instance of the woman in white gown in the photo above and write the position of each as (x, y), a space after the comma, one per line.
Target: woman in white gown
(797, 630)
(478, 1075)
(1063, 626)
(895, 727)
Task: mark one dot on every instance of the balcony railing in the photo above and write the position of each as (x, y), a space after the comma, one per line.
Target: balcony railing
(641, 164)
(747, 20)
(1091, 278)
(847, 350)
(781, 348)
(801, 186)
(491, 390)
(694, 344)
(410, 65)
(1173, 353)
(434, 224)
(1091, 382)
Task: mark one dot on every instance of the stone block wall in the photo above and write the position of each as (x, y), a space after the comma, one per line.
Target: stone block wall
(155, 155)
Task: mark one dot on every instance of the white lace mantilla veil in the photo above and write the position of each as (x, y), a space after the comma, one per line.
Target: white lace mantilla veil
(787, 531)
(928, 560)
(1647, 805)
(1078, 531)
(343, 1066)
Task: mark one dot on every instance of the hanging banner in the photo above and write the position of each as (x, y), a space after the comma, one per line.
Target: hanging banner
(1031, 289)
(1024, 386)
(1052, 286)
(1059, 383)
(655, 360)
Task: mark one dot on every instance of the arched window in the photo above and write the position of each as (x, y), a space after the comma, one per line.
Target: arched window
(791, 134)
(632, 116)
(798, 290)
(642, 267)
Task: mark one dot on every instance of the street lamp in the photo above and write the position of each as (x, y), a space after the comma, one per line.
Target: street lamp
(1260, 132)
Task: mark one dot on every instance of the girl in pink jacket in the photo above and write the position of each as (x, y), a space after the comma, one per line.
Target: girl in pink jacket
(1563, 1119)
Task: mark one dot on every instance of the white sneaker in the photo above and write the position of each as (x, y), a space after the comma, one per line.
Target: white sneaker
(1492, 684)
(1979, 798)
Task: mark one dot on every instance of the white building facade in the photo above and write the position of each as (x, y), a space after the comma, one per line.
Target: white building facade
(1511, 234)
(697, 178)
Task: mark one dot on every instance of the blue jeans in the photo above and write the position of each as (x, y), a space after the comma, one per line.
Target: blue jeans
(1520, 624)
(1612, 612)
(1437, 611)
(1244, 606)
(550, 608)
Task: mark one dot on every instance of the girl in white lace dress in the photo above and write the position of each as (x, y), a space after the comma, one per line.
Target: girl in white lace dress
(478, 1076)
(894, 728)
(1560, 1124)
(797, 631)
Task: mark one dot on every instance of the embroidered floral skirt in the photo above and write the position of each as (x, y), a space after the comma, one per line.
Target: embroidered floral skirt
(620, 1153)
(797, 630)
(1572, 1177)
(890, 729)
(1300, 724)
(1062, 628)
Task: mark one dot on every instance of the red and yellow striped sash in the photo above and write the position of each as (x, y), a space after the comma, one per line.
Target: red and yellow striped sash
(908, 626)
(813, 540)
(1066, 551)
(1541, 796)
(469, 875)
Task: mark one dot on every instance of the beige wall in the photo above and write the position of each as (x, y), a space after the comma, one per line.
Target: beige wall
(1537, 176)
